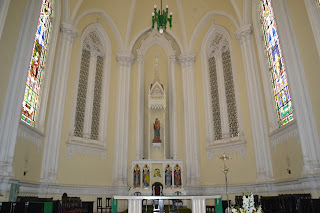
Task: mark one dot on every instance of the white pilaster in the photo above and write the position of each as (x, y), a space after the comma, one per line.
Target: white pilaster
(172, 109)
(190, 119)
(140, 108)
(122, 114)
(11, 113)
(258, 120)
(58, 94)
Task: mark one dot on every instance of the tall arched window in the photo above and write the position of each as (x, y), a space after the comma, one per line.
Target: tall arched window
(223, 126)
(87, 117)
(90, 107)
(31, 100)
(276, 64)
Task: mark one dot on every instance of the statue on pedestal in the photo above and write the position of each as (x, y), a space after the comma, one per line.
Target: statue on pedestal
(156, 127)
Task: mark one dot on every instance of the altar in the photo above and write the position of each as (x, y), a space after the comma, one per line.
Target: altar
(198, 202)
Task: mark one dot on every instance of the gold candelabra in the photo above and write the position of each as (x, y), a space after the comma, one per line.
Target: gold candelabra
(225, 170)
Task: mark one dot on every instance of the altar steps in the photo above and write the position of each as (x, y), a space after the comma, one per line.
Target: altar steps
(166, 209)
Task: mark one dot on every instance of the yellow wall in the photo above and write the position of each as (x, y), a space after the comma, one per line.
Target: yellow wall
(8, 43)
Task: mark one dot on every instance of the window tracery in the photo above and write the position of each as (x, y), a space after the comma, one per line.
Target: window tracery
(89, 91)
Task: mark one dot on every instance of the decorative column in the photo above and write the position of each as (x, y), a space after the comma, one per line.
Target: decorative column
(190, 119)
(11, 113)
(172, 108)
(121, 135)
(140, 109)
(258, 120)
(51, 150)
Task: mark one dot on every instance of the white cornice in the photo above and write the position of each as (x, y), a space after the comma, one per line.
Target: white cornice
(30, 134)
(291, 186)
(284, 133)
(306, 184)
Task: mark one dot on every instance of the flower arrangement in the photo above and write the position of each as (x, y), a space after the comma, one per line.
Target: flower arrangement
(247, 206)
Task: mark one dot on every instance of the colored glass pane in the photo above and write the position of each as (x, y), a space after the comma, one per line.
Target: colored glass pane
(276, 63)
(37, 64)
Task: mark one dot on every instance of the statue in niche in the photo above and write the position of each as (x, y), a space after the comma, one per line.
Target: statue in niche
(146, 176)
(168, 176)
(136, 176)
(156, 127)
(177, 176)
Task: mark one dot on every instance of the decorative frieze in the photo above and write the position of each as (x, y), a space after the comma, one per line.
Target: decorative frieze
(30, 134)
(285, 133)
(86, 149)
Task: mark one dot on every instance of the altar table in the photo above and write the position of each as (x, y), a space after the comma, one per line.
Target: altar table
(198, 202)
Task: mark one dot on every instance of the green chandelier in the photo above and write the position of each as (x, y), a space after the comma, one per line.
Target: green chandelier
(161, 18)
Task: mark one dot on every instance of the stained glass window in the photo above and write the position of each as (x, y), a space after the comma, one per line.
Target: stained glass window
(37, 64)
(276, 63)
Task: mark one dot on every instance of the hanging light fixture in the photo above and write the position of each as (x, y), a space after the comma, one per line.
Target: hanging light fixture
(161, 19)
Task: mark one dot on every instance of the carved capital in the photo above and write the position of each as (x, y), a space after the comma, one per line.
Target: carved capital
(125, 59)
(68, 31)
(172, 58)
(244, 33)
(140, 58)
(187, 60)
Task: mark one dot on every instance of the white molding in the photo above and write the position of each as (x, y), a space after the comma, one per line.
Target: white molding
(129, 25)
(306, 184)
(190, 120)
(147, 29)
(4, 6)
(11, 112)
(229, 145)
(258, 120)
(182, 24)
(236, 10)
(155, 37)
(88, 147)
(204, 20)
(291, 186)
(284, 133)
(246, 12)
(108, 19)
(30, 134)
(76, 9)
(52, 189)
(313, 10)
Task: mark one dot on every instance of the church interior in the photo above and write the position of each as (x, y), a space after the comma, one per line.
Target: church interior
(118, 97)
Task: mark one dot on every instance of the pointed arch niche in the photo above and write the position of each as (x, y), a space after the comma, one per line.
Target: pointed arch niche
(222, 107)
(141, 46)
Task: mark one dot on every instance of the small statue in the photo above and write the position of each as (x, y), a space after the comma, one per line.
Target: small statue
(156, 127)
